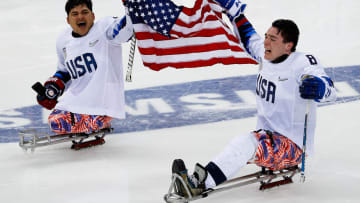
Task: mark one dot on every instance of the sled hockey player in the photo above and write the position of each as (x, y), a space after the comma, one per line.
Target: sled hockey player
(89, 76)
(287, 82)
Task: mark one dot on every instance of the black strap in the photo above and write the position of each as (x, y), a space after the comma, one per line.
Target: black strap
(257, 131)
(268, 132)
(72, 119)
(216, 173)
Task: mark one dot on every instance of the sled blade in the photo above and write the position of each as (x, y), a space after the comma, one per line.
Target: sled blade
(87, 144)
(265, 186)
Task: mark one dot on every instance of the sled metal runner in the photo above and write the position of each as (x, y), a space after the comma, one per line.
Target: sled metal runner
(265, 178)
(31, 139)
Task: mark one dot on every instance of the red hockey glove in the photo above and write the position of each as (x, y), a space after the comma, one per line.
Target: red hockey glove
(48, 95)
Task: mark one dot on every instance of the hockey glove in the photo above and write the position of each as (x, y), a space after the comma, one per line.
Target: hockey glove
(233, 7)
(53, 88)
(125, 3)
(312, 87)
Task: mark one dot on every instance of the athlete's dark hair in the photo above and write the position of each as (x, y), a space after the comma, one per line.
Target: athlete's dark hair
(288, 30)
(70, 4)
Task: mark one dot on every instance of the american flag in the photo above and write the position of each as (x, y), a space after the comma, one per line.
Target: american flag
(175, 36)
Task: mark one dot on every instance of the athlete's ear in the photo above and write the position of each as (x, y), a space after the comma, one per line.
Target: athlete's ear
(67, 20)
(289, 46)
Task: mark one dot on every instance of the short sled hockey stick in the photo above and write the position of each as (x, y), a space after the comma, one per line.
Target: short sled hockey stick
(264, 177)
(302, 177)
(131, 59)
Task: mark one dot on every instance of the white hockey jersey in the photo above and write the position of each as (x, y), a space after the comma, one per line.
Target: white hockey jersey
(279, 105)
(94, 62)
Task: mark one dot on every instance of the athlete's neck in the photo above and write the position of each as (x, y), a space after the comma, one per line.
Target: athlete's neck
(280, 58)
(76, 35)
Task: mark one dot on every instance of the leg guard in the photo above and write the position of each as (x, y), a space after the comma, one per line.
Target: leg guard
(66, 122)
(276, 151)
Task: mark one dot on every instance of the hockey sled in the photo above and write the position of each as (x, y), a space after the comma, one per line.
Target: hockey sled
(31, 139)
(266, 178)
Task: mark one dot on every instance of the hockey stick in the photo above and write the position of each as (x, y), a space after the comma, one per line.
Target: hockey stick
(302, 177)
(131, 59)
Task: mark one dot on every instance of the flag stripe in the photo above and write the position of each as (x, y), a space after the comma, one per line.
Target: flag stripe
(184, 42)
(201, 33)
(187, 49)
(192, 56)
(200, 63)
(190, 24)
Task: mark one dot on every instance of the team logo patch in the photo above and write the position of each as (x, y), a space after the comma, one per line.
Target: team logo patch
(91, 44)
(282, 79)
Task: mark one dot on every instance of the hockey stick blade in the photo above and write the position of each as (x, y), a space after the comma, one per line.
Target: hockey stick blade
(265, 186)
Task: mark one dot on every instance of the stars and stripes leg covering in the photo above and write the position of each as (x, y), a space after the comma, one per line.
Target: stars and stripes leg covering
(62, 122)
(283, 154)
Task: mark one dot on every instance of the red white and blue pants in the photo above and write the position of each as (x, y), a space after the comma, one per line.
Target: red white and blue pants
(62, 122)
(276, 151)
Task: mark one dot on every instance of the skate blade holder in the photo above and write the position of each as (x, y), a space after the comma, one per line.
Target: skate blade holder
(77, 145)
(79, 140)
(285, 174)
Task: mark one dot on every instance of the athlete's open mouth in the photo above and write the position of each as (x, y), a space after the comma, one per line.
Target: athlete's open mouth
(81, 24)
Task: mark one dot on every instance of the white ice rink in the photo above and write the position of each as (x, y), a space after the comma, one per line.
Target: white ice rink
(135, 167)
